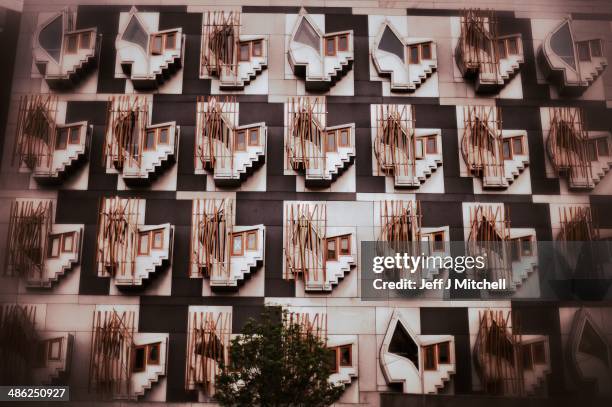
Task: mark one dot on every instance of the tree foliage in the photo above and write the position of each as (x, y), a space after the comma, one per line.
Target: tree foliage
(276, 364)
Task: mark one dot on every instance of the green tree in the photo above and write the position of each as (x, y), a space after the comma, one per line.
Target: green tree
(276, 364)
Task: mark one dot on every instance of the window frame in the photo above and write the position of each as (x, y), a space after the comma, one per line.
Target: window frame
(153, 48)
(343, 49)
(154, 233)
(435, 145)
(419, 149)
(350, 355)
(67, 49)
(141, 235)
(50, 355)
(436, 243)
(150, 361)
(427, 46)
(170, 34)
(160, 130)
(52, 237)
(348, 138)
(64, 239)
(507, 153)
(74, 130)
(430, 361)
(600, 140)
(240, 146)
(347, 239)
(250, 131)
(331, 135)
(411, 59)
(145, 146)
(327, 41)
(248, 234)
(509, 51)
(599, 53)
(518, 139)
(245, 45)
(239, 235)
(257, 44)
(448, 352)
(334, 241)
(135, 349)
(58, 138)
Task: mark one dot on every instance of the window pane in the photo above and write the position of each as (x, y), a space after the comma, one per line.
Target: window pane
(330, 46)
(592, 150)
(245, 51)
(344, 138)
(170, 41)
(419, 149)
(50, 38)
(237, 244)
(444, 353)
(71, 45)
(331, 360)
(55, 349)
(539, 353)
(153, 356)
(163, 136)
(156, 45)
(583, 51)
(62, 139)
(75, 135)
(344, 245)
(54, 246)
(158, 239)
(150, 140)
(527, 360)
(414, 55)
(143, 243)
(254, 137)
(596, 48)
(526, 246)
(426, 51)
(512, 46)
(506, 150)
(257, 49)
(501, 47)
(240, 140)
(331, 141)
(68, 242)
(331, 249)
(139, 359)
(439, 242)
(252, 241)
(431, 146)
(343, 43)
(517, 146)
(430, 355)
(135, 33)
(345, 356)
(602, 147)
(84, 43)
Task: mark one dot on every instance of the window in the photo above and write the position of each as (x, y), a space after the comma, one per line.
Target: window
(158, 239)
(343, 43)
(240, 140)
(143, 244)
(170, 41)
(507, 150)
(54, 246)
(592, 150)
(426, 51)
(85, 40)
(150, 140)
(414, 54)
(432, 147)
(429, 357)
(74, 135)
(539, 353)
(345, 356)
(332, 254)
(512, 46)
(603, 149)
(344, 138)
(251, 240)
(330, 142)
(62, 138)
(257, 48)
(501, 48)
(72, 43)
(444, 353)
(526, 249)
(164, 136)
(584, 52)
(345, 245)
(517, 145)
(67, 242)
(245, 52)
(438, 242)
(332, 360)
(253, 137)
(527, 357)
(153, 353)
(55, 349)
(156, 44)
(330, 46)
(596, 51)
(237, 245)
(419, 149)
(140, 359)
